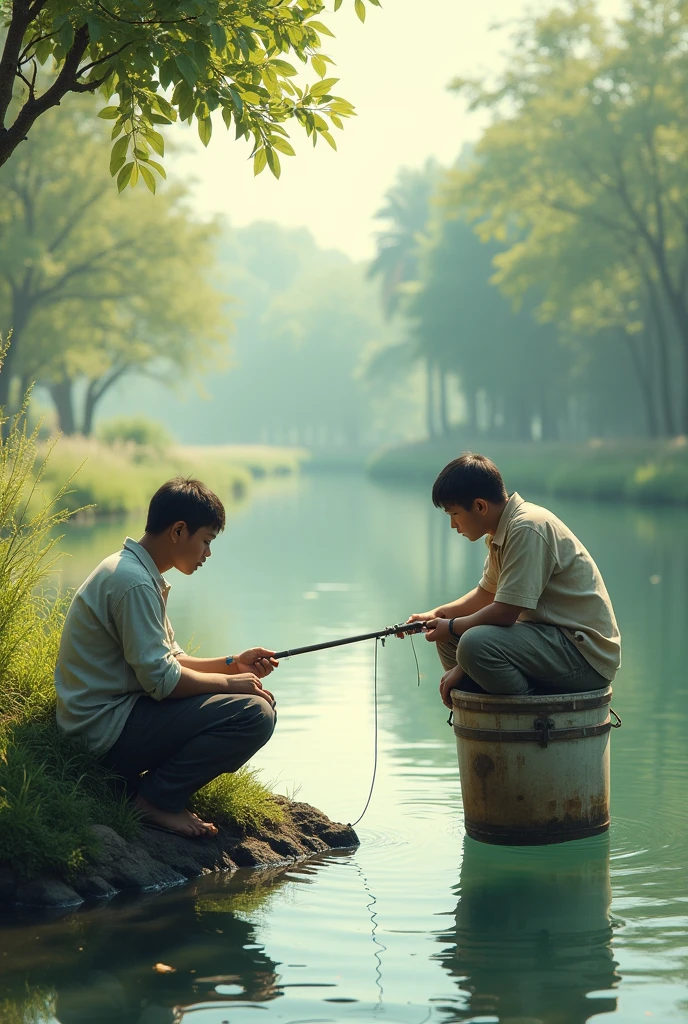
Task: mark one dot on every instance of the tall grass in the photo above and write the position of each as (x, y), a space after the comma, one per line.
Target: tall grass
(52, 790)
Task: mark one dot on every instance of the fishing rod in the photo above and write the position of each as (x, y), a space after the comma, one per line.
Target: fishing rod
(402, 627)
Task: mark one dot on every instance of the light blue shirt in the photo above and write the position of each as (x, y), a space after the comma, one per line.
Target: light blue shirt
(117, 645)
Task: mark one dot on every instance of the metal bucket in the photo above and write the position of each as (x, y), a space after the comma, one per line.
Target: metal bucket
(535, 769)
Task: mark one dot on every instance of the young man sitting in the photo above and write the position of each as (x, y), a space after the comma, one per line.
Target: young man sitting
(128, 691)
(540, 620)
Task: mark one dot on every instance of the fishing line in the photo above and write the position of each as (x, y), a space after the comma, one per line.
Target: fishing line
(375, 720)
(375, 740)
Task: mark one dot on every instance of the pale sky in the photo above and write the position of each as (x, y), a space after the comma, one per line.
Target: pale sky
(395, 68)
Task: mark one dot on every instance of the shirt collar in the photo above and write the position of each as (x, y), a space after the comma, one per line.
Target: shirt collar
(514, 502)
(147, 562)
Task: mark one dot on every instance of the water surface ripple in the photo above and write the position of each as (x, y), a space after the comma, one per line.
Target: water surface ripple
(420, 924)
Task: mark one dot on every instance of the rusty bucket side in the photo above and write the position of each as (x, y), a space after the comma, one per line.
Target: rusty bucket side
(534, 770)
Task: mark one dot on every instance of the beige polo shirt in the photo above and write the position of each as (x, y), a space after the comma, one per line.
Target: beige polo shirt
(536, 562)
(117, 645)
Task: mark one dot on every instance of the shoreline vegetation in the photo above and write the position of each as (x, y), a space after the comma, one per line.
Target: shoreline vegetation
(641, 472)
(59, 807)
(119, 479)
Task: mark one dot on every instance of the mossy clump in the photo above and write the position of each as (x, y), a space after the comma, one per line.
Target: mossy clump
(238, 799)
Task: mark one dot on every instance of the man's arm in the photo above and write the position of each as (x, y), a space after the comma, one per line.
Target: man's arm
(469, 604)
(192, 683)
(494, 614)
(256, 660)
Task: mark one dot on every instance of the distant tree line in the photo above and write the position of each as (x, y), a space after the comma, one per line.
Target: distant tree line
(547, 272)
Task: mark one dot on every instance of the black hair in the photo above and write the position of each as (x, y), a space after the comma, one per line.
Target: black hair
(467, 478)
(188, 501)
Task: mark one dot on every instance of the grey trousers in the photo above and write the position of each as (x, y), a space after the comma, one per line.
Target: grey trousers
(183, 744)
(528, 657)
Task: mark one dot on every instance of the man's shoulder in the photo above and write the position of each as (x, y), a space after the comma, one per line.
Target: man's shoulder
(117, 574)
(539, 520)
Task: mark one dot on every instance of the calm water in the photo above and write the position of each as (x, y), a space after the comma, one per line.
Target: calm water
(419, 924)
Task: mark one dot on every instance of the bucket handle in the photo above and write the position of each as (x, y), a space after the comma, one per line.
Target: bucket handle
(618, 723)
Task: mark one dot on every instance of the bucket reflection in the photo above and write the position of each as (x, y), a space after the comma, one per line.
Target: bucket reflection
(532, 935)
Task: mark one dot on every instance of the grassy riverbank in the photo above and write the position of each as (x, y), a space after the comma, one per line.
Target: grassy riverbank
(636, 471)
(52, 791)
(119, 479)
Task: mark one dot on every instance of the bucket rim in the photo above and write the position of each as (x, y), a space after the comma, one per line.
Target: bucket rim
(519, 703)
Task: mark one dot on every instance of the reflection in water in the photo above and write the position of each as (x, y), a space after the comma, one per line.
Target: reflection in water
(532, 940)
(99, 966)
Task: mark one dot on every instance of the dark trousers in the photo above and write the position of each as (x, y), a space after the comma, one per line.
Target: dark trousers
(528, 657)
(183, 744)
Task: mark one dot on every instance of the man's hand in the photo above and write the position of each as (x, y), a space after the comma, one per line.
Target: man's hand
(248, 682)
(449, 681)
(436, 613)
(256, 660)
(438, 631)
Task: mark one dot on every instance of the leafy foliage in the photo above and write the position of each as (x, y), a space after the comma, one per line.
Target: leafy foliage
(581, 179)
(95, 285)
(156, 63)
(138, 430)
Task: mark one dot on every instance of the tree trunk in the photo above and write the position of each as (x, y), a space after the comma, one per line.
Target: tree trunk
(442, 404)
(63, 399)
(664, 363)
(470, 402)
(430, 399)
(645, 385)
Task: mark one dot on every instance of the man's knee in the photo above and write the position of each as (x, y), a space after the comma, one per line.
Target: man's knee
(259, 718)
(473, 646)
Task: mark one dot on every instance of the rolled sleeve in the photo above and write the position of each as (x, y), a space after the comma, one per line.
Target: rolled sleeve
(141, 621)
(528, 563)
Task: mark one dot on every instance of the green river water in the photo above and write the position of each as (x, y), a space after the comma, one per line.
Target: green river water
(420, 924)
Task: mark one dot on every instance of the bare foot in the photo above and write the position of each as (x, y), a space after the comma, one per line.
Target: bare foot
(185, 822)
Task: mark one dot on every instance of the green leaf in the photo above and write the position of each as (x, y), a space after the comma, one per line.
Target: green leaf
(360, 9)
(328, 138)
(124, 176)
(283, 146)
(159, 119)
(43, 50)
(118, 154)
(227, 116)
(148, 177)
(134, 175)
(167, 73)
(158, 167)
(323, 87)
(95, 28)
(205, 130)
(259, 161)
(187, 68)
(274, 162)
(109, 113)
(337, 4)
(318, 25)
(156, 140)
(319, 65)
(219, 37)
(117, 130)
(238, 102)
(284, 68)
